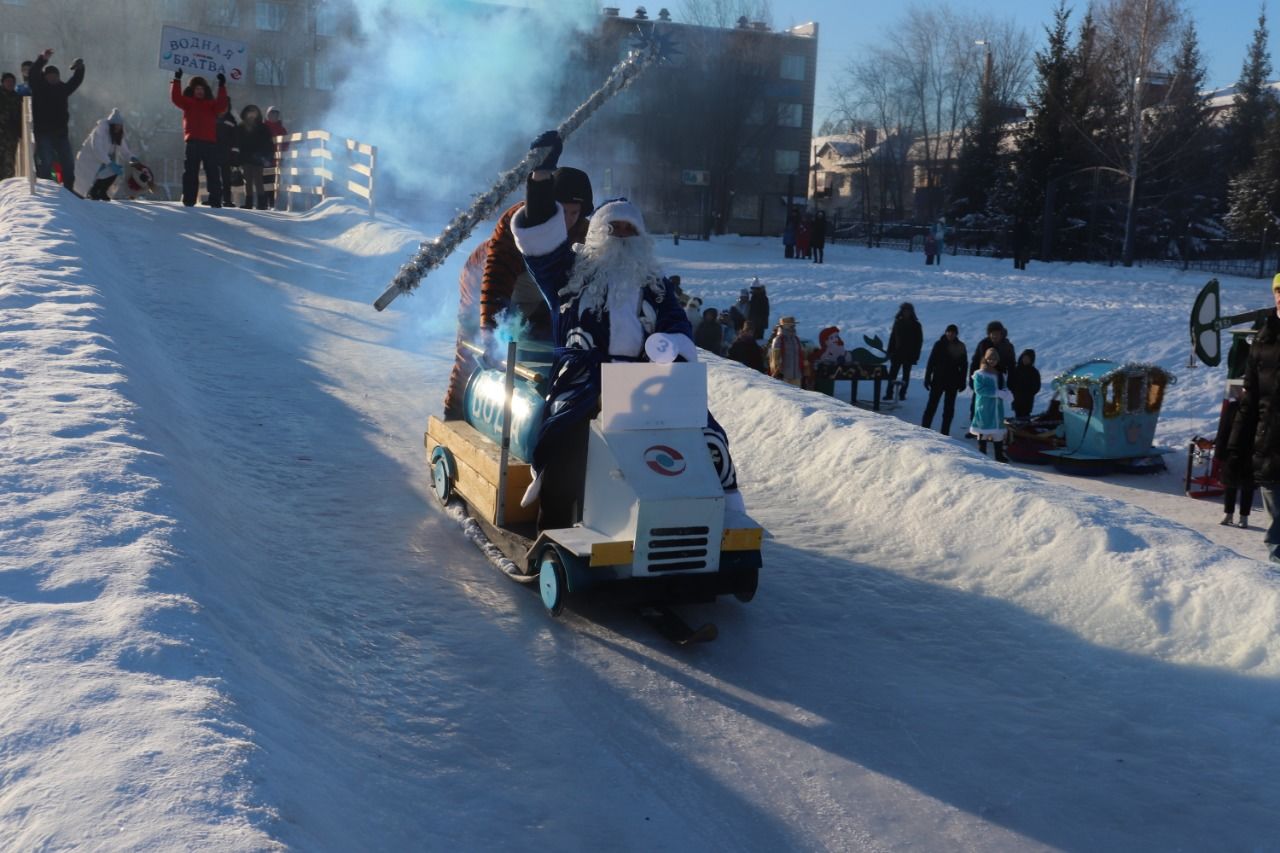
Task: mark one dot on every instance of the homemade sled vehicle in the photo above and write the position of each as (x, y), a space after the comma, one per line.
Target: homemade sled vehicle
(654, 514)
(1102, 420)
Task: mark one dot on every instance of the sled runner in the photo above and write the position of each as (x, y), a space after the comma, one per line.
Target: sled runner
(654, 517)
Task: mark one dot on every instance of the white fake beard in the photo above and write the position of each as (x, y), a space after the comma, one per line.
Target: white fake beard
(609, 271)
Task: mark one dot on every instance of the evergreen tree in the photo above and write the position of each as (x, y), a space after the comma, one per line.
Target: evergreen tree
(1179, 190)
(1254, 104)
(1040, 147)
(1069, 157)
(1255, 193)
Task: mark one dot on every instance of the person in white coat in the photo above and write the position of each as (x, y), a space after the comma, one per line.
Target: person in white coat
(102, 158)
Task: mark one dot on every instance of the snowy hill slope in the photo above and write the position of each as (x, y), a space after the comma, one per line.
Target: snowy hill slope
(236, 619)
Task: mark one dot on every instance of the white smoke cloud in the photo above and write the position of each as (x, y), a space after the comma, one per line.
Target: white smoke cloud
(451, 92)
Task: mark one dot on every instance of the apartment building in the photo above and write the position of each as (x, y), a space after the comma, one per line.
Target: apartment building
(717, 139)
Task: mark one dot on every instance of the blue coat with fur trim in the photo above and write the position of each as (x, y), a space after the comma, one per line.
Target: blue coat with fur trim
(582, 336)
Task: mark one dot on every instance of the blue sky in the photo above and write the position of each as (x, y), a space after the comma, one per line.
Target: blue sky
(848, 26)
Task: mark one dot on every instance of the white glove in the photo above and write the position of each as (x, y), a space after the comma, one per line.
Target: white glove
(531, 493)
(663, 348)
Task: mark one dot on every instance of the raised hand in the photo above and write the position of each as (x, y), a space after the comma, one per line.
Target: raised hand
(552, 141)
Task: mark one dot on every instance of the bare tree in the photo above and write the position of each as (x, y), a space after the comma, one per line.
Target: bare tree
(870, 95)
(923, 81)
(725, 13)
(1138, 37)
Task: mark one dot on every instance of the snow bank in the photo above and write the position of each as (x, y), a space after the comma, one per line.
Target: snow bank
(232, 617)
(848, 483)
(113, 729)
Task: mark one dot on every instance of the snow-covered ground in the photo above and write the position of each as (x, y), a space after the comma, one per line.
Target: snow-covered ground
(232, 616)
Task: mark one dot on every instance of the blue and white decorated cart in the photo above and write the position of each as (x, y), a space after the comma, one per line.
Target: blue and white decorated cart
(1108, 412)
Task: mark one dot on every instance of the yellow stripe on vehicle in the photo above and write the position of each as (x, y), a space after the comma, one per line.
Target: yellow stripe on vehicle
(742, 539)
(611, 553)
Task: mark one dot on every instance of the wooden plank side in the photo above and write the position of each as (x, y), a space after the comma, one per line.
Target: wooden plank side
(477, 460)
(465, 441)
(478, 491)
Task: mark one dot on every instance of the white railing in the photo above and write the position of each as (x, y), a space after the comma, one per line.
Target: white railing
(26, 166)
(309, 171)
(364, 190)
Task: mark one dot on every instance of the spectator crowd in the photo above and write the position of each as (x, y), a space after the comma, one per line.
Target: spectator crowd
(233, 151)
(1003, 386)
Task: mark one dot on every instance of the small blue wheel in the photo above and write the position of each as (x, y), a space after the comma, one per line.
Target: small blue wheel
(552, 581)
(442, 474)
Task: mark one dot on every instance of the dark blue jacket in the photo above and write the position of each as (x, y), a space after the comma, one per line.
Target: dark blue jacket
(582, 341)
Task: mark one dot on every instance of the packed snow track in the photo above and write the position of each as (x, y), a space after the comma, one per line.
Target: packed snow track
(233, 617)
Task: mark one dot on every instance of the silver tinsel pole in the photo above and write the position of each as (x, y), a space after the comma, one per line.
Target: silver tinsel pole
(432, 254)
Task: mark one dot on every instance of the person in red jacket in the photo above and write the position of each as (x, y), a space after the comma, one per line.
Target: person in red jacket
(200, 113)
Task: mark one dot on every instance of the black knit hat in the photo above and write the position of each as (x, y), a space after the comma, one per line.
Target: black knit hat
(573, 185)
(52, 69)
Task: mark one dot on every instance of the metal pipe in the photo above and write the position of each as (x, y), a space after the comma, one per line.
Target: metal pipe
(520, 370)
(500, 516)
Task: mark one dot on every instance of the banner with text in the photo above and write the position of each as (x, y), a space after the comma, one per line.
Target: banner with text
(200, 53)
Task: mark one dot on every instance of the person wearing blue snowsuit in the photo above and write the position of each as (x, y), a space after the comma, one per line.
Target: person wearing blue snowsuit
(600, 312)
(990, 400)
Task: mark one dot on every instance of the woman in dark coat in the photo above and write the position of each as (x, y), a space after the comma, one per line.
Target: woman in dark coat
(1255, 435)
(818, 236)
(905, 342)
(228, 150)
(257, 152)
(758, 309)
(1024, 382)
(944, 376)
(746, 350)
(1233, 471)
(709, 336)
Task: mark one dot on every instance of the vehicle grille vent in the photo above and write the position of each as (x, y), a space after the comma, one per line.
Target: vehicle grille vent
(675, 549)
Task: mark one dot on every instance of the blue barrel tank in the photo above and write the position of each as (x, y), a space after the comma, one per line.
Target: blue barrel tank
(483, 402)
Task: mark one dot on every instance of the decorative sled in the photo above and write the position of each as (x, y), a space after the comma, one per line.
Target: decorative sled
(655, 517)
(1109, 412)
